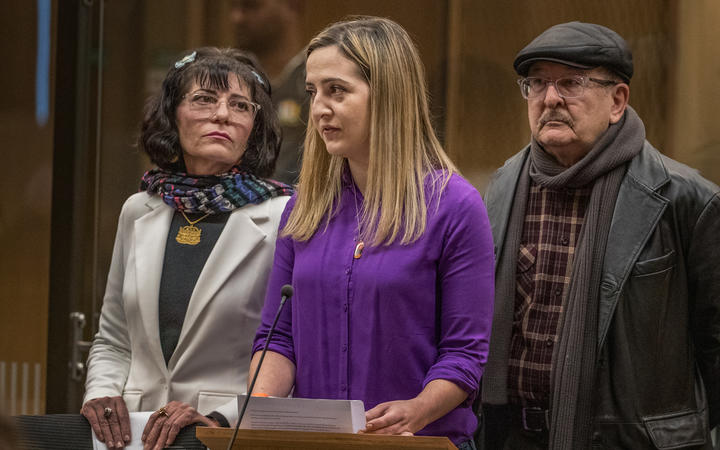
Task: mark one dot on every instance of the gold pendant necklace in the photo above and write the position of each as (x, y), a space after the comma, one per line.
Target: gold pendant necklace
(189, 234)
(357, 254)
(358, 250)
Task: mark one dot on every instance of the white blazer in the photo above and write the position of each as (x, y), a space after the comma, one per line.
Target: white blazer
(211, 360)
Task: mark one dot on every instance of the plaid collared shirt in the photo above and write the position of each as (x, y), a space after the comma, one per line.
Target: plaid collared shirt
(553, 219)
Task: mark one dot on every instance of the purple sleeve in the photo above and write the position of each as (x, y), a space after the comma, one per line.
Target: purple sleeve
(282, 270)
(466, 285)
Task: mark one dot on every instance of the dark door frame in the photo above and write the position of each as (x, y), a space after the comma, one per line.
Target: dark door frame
(73, 227)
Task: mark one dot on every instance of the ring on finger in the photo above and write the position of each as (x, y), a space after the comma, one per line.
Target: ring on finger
(107, 412)
(163, 412)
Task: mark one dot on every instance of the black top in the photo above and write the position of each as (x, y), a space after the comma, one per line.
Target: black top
(181, 269)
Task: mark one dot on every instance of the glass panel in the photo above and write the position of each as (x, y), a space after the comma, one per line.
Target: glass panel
(26, 133)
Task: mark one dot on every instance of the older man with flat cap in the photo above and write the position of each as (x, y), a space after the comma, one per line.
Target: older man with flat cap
(607, 309)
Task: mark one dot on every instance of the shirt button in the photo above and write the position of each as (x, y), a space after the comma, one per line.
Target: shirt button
(565, 241)
(558, 291)
(344, 348)
(343, 387)
(347, 271)
(345, 307)
(549, 342)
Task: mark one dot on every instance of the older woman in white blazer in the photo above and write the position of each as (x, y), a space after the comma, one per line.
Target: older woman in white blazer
(192, 254)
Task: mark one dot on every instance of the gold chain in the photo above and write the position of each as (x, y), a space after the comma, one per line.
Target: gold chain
(193, 222)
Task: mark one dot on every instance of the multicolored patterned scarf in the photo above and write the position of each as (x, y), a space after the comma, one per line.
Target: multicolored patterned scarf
(213, 194)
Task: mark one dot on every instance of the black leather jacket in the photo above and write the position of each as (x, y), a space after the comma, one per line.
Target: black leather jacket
(658, 371)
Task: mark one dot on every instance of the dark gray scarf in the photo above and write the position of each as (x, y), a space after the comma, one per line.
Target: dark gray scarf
(574, 358)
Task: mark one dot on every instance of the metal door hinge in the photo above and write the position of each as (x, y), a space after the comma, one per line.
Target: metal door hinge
(79, 346)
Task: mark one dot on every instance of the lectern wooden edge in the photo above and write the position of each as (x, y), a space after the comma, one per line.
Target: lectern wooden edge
(218, 438)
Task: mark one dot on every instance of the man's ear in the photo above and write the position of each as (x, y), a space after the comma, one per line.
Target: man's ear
(620, 98)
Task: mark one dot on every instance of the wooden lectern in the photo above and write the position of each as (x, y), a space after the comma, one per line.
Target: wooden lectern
(218, 438)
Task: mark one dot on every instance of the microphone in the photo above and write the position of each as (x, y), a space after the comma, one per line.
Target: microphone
(286, 292)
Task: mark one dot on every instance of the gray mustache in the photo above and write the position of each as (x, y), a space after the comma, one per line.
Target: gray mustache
(555, 117)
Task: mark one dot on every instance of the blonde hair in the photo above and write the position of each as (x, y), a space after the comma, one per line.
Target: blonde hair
(403, 146)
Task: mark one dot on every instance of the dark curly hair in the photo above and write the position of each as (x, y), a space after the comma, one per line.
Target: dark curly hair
(210, 69)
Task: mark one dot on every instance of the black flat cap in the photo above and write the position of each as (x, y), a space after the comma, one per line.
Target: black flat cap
(578, 44)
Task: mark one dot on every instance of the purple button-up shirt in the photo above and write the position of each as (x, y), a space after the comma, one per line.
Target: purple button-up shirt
(379, 328)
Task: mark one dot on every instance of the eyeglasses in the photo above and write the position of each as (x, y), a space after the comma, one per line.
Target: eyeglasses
(206, 104)
(570, 87)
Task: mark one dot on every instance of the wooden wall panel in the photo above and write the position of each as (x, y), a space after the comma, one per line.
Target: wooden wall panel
(694, 134)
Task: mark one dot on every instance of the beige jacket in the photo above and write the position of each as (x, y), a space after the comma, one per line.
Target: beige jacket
(210, 363)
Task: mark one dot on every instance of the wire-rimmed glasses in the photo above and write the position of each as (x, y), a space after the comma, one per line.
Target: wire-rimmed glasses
(566, 87)
(206, 104)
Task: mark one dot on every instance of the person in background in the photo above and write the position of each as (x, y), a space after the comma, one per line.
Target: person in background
(272, 30)
(192, 254)
(388, 249)
(607, 310)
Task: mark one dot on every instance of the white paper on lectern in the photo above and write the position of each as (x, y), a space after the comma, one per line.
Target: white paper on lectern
(303, 414)
(137, 425)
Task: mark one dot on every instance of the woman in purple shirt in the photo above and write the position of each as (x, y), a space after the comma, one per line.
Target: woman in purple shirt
(388, 249)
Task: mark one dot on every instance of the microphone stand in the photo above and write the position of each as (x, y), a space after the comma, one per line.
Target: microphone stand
(287, 292)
